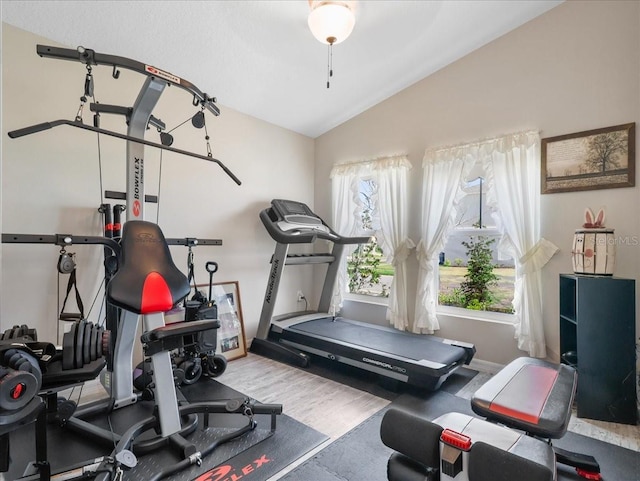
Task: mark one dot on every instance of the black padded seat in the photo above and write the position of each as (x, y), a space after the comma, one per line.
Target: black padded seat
(416, 441)
(147, 280)
(531, 395)
(489, 463)
(495, 453)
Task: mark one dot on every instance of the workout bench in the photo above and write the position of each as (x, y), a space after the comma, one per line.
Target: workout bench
(526, 404)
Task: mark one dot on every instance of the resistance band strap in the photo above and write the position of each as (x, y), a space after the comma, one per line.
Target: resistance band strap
(191, 277)
(72, 284)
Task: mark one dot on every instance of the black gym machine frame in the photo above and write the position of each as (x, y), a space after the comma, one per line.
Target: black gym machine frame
(123, 324)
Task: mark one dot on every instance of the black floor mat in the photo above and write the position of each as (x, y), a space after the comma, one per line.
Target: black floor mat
(255, 456)
(359, 455)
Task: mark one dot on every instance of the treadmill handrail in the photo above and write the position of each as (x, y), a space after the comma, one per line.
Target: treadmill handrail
(305, 236)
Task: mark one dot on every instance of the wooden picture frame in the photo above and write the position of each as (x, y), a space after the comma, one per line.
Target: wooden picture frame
(231, 340)
(593, 159)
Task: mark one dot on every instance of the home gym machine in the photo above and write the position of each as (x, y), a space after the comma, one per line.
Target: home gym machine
(144, 283)
(424, 361)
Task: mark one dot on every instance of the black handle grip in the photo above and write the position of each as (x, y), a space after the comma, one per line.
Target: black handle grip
(266, 408)
(211, 267)
(30, 130)
(229, 173)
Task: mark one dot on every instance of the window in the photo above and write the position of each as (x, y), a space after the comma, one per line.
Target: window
(371, 196)
(471, 275)
(368, 272)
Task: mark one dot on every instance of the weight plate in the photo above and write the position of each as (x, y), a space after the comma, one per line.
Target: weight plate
(99, 341)
(17, 388)
(86, 345)
(17, 365)
(33, 334)
(94, 343)
(78, 361)
(34, 367)
(9, 355)
(69, 347)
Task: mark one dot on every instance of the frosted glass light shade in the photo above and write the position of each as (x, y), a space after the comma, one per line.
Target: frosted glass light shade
(331, 21)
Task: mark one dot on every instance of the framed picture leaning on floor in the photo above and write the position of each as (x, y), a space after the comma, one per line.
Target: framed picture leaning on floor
(230, 337)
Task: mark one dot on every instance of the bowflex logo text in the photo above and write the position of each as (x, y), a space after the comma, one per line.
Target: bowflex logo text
(226, 472)
(138, 168)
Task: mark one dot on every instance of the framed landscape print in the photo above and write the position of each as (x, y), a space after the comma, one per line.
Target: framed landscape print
(594, 159)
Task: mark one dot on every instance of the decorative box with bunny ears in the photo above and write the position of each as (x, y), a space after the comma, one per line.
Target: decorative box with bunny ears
(594, 248)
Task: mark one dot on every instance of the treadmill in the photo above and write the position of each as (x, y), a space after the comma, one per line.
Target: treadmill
(421, 360)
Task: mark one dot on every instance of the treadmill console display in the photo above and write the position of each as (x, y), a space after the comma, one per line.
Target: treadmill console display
(296, 217)
(292, 222)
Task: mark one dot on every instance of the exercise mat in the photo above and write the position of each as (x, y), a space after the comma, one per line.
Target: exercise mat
(359, 455)
(256, 456)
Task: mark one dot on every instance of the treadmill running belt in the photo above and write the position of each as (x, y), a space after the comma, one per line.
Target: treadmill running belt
(398, 343)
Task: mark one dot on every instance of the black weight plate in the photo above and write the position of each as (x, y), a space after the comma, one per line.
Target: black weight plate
(93, 348)
(69, 347)
(33, 334)
(86, 345)
(19, 362)
(17, 388)
(10, 358)
(78, 361)
(34, 367)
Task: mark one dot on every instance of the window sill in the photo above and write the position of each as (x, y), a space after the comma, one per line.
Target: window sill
(361, 298)
(486, 316)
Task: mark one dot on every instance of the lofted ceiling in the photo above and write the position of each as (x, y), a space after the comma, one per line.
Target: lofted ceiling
(259, 57)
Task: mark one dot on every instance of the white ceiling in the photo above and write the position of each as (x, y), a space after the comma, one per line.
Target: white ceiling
(259, 57)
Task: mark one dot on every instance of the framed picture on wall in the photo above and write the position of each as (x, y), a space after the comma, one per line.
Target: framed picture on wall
(230, 336)
(594, 159)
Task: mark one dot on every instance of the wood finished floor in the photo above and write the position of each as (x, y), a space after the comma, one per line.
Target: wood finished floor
(327, 406)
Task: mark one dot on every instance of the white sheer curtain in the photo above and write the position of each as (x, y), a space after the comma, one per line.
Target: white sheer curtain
(390, 206)
(394, 225)
(444, 172)
(512, 167)
(345, 210)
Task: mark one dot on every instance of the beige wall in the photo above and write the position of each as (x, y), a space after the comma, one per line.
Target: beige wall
(51, 184)
(575, 68)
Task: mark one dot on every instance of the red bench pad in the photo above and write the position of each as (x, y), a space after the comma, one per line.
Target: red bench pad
(531, 395)
(525, 395)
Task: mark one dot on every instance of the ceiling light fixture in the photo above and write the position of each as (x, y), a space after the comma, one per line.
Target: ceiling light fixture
(331, 22)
